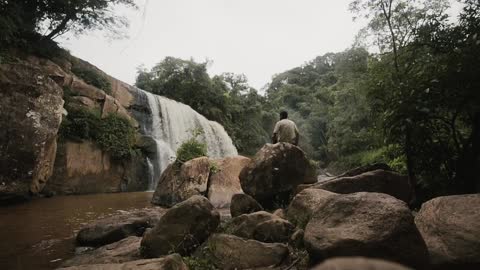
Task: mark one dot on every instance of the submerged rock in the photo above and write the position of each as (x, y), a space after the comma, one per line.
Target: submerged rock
(359, 263)
(451, 228)
(274, 172)
(243, 204)
(232, 252)
(365, 224)
(117, 227)
(182, 229)
(170, 262)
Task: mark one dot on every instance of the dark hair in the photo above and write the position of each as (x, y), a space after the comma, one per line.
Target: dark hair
(283, 115)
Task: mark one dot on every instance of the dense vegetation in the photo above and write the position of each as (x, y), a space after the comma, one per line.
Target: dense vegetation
(414, 104)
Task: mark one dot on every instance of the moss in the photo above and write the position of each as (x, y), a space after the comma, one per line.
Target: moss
(195, 263)
(114, 134)
(91, 76)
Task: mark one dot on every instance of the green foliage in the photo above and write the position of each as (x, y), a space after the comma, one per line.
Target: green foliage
(114, 134)
(192, 148)
(91, 76)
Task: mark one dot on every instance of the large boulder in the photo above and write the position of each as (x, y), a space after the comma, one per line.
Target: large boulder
(31, 104)
(274, 231)
(243, 204)
(125, 250)
(170, 262)
(451, 228)
(224, 180)
(365, 224)
(246, 224)
(117, 227)
(84, 168)
(304, 205)
(274, 172)
(358, 263)
(231, 252)
(178, 183)
(182, 229)
(365, 168)
(380, 181)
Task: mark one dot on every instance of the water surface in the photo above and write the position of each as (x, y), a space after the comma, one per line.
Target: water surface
(40, 234)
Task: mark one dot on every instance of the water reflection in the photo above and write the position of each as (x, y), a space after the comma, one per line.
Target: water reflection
(40, 234)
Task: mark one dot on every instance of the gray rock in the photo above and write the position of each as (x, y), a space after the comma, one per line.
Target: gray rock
(170, 262)
(243, 204)
(451, 228)
(358, 263)
(305, 203)
(274, 231)
(183, 228)
(365, 224)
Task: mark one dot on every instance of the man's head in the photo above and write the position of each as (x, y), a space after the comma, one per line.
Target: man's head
(283, 115)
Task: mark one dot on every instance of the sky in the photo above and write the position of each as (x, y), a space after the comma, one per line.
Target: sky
(258, 38)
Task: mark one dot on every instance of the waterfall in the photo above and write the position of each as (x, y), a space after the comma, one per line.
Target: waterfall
(171, 124)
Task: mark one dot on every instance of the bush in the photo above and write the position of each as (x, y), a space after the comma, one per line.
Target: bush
(191, 148)
(114, 134)
(91, 76)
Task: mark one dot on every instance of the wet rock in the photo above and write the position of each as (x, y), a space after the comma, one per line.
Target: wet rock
(120, 226)
(31, 104)
(243, 204)
(170, 262)
(224, 180)
(365, 224)
(305, 203)
(231, 252)
(183, 228)
(125, 250)
(373, 181)
(177, 184)
(274, 172)
(274, 231)
(358, 263)
(451, 228)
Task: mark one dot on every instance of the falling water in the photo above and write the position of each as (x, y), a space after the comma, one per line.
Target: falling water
(172, 123)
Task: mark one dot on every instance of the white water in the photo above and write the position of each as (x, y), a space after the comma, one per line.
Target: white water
(173, 123)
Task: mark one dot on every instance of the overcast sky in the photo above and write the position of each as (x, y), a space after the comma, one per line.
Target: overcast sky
(258, 38)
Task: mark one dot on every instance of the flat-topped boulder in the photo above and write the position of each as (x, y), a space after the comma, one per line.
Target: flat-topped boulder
(359, 263)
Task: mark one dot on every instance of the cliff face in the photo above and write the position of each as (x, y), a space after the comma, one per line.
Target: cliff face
(32, 155)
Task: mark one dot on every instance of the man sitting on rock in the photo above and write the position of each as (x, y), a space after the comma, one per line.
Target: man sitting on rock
(285, 130)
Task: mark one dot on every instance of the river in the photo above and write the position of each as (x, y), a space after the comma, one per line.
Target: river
(40, 234)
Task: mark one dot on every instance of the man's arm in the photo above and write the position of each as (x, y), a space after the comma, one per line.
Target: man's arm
(275, 133)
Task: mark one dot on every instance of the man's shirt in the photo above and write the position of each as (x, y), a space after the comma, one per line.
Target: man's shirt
(286, 131)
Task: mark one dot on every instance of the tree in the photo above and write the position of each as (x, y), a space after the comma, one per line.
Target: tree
(51, 18)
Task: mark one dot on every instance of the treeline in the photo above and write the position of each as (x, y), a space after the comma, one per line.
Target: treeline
(415, 104)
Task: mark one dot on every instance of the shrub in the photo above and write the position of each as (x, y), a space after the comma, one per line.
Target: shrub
(114, 134)
(192, 148)
(91, 76)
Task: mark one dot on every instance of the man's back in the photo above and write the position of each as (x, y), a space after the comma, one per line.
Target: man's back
(286, 131)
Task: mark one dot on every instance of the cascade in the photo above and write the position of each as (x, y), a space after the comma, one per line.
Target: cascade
(171, 124)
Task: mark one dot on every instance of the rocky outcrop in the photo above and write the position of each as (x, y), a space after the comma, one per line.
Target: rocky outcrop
(31, 104)
(217, 179)
(83, 168)
(274, 172)
(125, 250)
(224, 180)
(180, 182)
(373, 181)
(305, 203)
(359, 263)
(170, 262)
(183, 228)
(115, 228)
(243, 204)
(365, 224)
(231, 252)
(451, 228)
